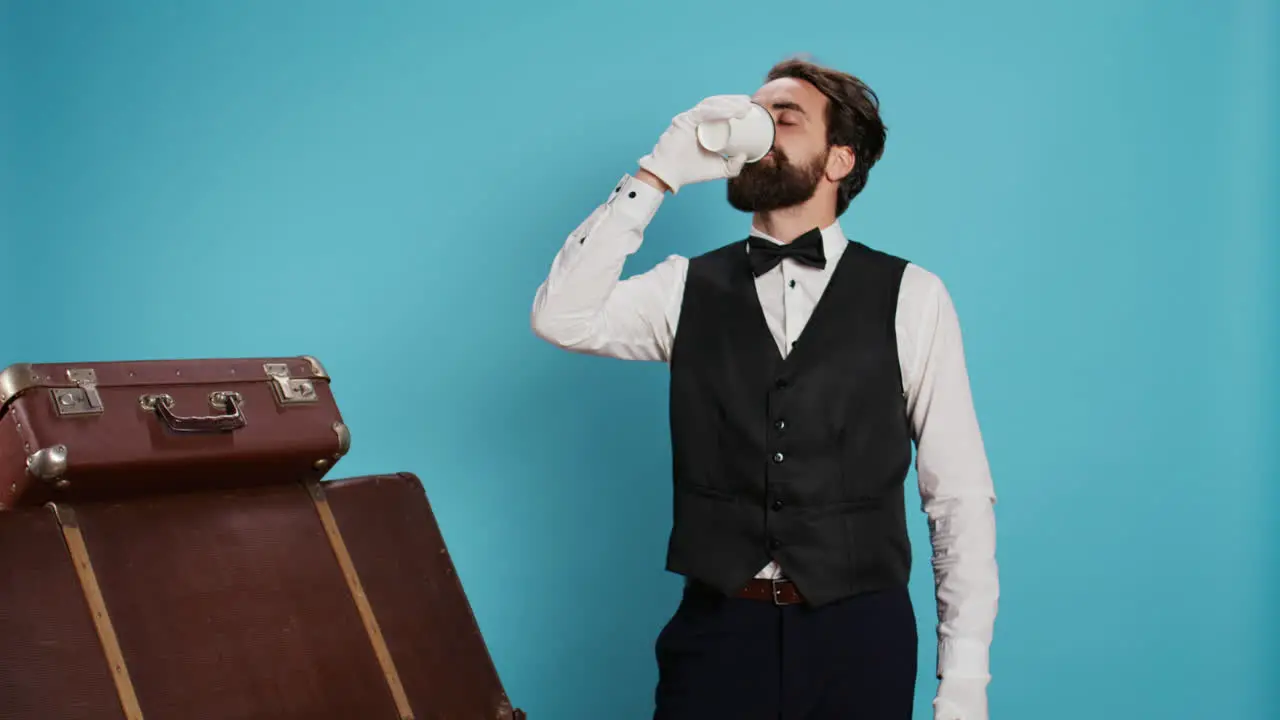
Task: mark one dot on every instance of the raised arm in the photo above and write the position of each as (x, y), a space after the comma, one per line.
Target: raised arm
(584, 304)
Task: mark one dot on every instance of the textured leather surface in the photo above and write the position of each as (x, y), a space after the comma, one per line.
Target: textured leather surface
(412, 585)
(232, 605)
(51, 663)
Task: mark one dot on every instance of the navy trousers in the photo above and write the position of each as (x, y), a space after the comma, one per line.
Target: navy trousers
(727, 658)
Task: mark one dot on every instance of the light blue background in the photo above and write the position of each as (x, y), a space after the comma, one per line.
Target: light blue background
(384, 185)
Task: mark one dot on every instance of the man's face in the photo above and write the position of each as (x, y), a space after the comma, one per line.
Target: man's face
(792, 171)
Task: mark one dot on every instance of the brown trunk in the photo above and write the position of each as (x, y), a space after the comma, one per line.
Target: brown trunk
(189, 563)
(324, 601)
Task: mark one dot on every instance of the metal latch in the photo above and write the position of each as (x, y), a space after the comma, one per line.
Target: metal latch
(289, 390)
(83, 399)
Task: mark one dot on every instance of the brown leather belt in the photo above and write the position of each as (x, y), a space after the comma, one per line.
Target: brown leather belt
(779, 592)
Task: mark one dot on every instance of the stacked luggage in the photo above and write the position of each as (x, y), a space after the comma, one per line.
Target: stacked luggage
(170, 550)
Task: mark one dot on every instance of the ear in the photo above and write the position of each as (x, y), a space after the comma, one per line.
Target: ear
(840, 162)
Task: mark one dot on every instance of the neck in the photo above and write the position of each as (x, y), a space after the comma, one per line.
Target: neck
(790, 223)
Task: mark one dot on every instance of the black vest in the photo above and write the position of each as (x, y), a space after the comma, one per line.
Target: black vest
(799, 460)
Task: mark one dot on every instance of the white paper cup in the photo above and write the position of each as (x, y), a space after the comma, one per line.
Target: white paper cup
(751, 135)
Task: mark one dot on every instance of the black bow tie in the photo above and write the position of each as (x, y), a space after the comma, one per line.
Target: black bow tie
(807, 248)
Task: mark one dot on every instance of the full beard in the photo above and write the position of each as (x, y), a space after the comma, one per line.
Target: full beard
(775, 183)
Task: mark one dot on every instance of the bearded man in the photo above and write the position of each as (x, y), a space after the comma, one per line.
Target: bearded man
(804, 366)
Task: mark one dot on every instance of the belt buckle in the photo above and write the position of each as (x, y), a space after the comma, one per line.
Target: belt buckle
(773, 584)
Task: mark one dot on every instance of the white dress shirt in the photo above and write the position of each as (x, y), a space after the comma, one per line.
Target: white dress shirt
(585, 305)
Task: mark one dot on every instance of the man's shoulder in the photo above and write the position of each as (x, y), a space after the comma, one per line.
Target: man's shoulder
(721, 253)
(713, 256)
(922, 295)
(915, 277)
(718, 260)
(921, 278)
(878, 256)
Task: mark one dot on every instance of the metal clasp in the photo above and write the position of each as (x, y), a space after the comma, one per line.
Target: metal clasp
(773, 583)
(289, 390)
(83, 399)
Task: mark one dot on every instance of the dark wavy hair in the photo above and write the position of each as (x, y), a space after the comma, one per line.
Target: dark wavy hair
(853, 119)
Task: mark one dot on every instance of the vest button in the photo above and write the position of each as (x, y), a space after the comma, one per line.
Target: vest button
(774, 543)
(780, 383)
(777, 504)
(778, 457)
(781, 425)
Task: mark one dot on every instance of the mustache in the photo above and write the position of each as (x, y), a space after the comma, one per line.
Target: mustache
(773, 163)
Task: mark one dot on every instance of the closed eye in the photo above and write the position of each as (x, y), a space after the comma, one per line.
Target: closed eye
(790, 118)
(789, 113)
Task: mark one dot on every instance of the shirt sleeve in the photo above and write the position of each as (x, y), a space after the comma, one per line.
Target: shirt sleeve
(585, 305)
(956, 488)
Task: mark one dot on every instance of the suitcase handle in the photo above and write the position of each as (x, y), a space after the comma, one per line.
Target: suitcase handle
(162, 406)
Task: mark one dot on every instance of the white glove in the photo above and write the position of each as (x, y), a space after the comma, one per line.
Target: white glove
(961, 699)
(679, 160)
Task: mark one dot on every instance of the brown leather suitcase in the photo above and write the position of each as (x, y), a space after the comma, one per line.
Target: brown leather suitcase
(302, 599)
(111, 430)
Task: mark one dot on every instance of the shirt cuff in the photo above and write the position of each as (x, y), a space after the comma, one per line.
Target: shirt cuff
(962, 658)
(635, 200)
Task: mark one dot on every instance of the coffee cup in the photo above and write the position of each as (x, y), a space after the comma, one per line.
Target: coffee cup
(751, 135)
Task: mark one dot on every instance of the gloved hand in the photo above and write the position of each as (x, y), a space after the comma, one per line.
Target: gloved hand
(961, 699)
(679, 160)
